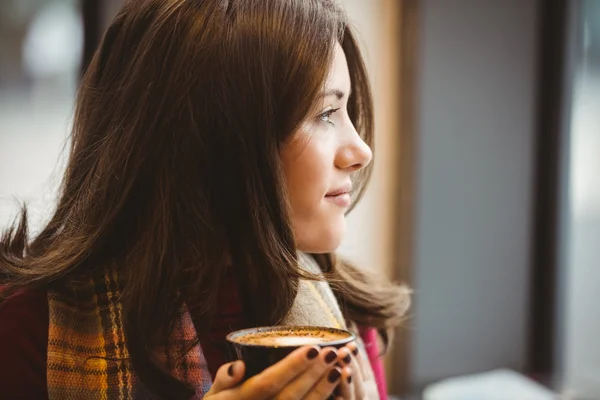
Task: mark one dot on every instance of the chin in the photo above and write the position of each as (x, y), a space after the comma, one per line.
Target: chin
(322, 240)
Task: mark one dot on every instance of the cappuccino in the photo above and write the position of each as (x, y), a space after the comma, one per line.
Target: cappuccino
(262, 347)
(288, 337)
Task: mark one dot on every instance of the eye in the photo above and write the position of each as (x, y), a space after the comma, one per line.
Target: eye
(325, 116)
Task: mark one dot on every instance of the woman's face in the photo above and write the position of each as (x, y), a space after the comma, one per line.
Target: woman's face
(318, 163)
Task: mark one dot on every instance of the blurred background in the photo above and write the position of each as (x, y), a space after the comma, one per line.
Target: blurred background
(486, 193)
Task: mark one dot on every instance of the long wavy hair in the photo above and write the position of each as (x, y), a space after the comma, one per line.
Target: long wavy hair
(174, 170)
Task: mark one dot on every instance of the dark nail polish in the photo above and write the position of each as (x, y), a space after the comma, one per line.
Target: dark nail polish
(349, 379)
(347, 359)
(355, 351)
(230, 370)
(312, 353)
(334, 375)
(338, 390)
(330, 357)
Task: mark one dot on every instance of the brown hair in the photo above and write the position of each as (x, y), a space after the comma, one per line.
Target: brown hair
(174, 169)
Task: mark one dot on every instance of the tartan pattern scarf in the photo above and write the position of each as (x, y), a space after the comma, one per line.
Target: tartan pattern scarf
(87, 354)
(88, 357)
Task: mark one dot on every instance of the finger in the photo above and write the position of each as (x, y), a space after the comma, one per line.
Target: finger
(344, 360)
(357, 370)
(272, 380)
(345, 389)
(345, 356)
(353, 347)
(298, 388)
(227, 376)
(323, 389)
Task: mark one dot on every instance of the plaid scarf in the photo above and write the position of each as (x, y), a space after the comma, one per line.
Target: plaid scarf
(87, 354)
(88, 357)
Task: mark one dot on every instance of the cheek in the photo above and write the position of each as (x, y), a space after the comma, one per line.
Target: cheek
(318, 225)
(307, 167)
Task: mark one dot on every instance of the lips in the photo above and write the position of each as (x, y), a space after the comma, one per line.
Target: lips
(341, 190)
(340, 196)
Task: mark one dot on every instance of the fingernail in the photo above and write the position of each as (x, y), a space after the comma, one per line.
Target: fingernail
(347, 359)
(334, 375)
(312, 353)
(355, 351)
(230, 370)
(349, 379)
(338, 390)
(330, 356)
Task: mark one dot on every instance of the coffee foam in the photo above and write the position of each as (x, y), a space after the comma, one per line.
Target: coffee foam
(288, 337)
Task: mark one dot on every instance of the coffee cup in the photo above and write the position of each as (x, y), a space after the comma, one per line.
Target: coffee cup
(262, 347)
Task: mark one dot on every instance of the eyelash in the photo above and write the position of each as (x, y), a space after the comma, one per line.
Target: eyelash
(326, 115)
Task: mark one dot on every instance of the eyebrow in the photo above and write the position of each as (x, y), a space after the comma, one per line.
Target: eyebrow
(340, 94)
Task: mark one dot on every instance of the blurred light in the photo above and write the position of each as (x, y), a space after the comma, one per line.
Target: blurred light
(54, 43)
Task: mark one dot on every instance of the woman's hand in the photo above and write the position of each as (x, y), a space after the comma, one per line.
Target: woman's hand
(307, 373)
(351, 388)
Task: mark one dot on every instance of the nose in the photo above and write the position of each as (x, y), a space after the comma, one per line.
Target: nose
(355, 154)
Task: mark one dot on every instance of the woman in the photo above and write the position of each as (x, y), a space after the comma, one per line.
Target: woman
(216, 148)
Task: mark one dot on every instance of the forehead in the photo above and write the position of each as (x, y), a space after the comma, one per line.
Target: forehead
(339, 76)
